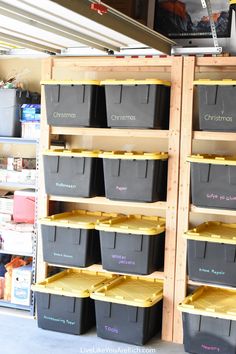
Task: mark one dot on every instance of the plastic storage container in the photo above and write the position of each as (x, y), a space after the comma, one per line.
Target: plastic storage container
(64, 303)
(216, 104)
(132, 244)
(213, 181)
(129, 309)
(75, 103)
(24, 206)
(71, 239)
(137, 103)
(211, 253)
(209, 321)
(76, 173)
(10, 109)
(135, 176)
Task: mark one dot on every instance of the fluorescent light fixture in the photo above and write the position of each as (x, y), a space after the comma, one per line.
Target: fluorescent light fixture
(56, 25)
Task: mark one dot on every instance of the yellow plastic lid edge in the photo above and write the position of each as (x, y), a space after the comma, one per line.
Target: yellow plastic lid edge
(209, 82)
(70, 82)
(136, 82)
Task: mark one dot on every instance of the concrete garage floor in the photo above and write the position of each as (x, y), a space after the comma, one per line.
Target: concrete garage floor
(22, 336)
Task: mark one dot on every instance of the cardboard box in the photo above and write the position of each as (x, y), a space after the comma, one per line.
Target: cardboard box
(16, 242)
(30, 130)
(21, 283)
(6, 202)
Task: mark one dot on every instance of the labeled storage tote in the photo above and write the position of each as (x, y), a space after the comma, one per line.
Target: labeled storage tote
(137, 103)
(211, 253)
(64, 303)
(75, 103)
(71, 239)
(213, 181)
(209, 321)
(135, 176)
(129, 309)
(10, 109)
(76, 173)
(216, 104)
(132, 244)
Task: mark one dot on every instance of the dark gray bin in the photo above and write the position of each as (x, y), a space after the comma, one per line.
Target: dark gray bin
(213, 185)
(141, 105)
(70, 247)
(204, 334)
(135, 180)
(65, 314)
(10, 111)
(132, 253)
(217, 107)
(75, 105)
(73, 176)
(212, 262)
(129, 324)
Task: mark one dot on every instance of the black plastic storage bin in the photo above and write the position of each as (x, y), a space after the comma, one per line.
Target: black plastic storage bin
(137, 103)
(132, 244)
(216, 105)
(76, 173)
(211, 253)
(135, 176)
(209, 321)
(75, 103)
(10, 111)
(213, 181)
(129, 309)
(64, 303)
(70, 238)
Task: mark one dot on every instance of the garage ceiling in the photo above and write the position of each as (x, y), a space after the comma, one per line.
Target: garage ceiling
(57, 26)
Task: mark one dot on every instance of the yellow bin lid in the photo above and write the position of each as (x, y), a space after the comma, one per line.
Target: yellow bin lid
(132, 82)
(72, 152)
(213, 159)
(70, 82)
(134, 155)
(213, 231)
(211, 301)
(232, 2)
(131, 290)
(133, 224)
(77, 219)
(73, 283)
(208, 82)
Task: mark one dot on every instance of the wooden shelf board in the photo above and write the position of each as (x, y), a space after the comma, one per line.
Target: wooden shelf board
(219, 136)
(105, 201)
(213, 211)
(198, 283)
(98, 268)
(140, 133)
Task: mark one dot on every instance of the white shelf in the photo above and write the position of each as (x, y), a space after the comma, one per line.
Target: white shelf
(11, 140)
(8, 304)
(5, 185)
(16, 253)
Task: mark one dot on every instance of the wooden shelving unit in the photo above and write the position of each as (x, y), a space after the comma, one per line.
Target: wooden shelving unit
(193, 141)
(168, 68)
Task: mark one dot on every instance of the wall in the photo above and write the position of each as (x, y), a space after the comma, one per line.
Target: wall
(28, 71)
